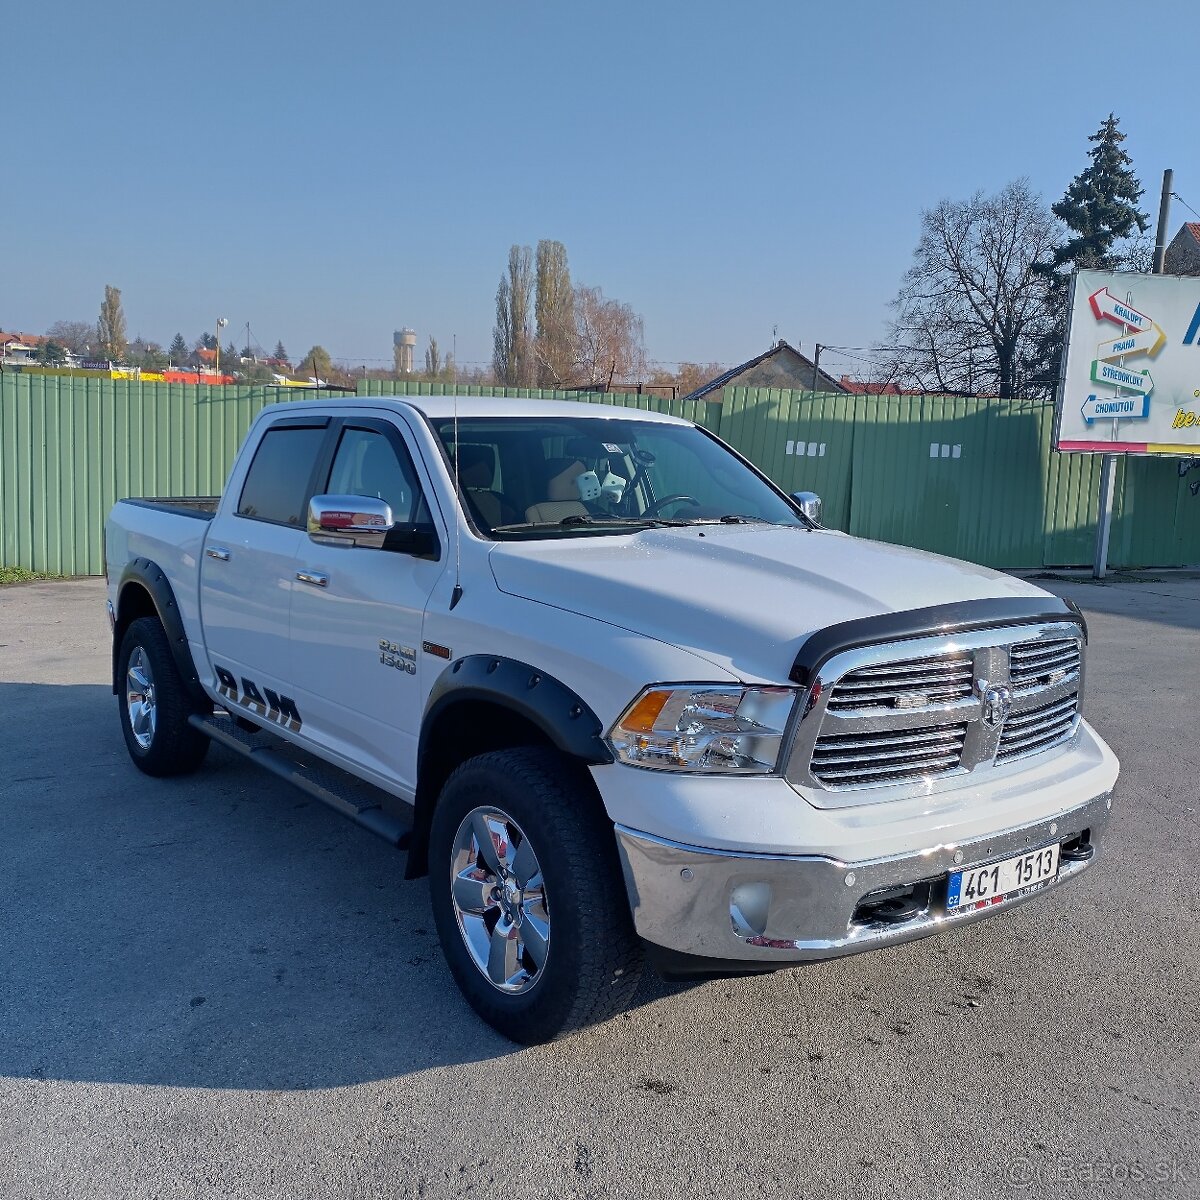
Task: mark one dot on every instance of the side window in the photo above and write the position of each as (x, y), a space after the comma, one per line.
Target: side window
(366, 464)
(276, 487)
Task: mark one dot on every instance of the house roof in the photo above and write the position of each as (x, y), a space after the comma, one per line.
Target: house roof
(858, 387)
(23, 339)
(1193, 227)
(780, 347)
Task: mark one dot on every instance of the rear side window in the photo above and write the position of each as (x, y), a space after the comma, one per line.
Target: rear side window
(276, 487)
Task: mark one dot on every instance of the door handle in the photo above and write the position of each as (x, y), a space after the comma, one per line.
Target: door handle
(316, 578)
(217, 552)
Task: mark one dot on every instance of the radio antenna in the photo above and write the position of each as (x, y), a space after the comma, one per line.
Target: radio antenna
(456, 594)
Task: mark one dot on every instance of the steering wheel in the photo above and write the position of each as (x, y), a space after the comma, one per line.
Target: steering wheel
(654, 508)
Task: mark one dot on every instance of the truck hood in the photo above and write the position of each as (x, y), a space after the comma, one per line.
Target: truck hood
(745, 597)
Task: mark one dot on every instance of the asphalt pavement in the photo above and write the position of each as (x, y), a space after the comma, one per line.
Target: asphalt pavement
(217, 987)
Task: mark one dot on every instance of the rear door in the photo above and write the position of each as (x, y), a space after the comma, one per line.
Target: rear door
(357, 617)
(248, 573)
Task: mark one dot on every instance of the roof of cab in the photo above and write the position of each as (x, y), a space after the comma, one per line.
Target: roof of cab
(479, 406)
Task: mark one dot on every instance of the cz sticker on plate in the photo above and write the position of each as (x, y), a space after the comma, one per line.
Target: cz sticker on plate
(980, 886)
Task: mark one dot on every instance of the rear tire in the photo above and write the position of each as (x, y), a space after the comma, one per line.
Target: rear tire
(528, 896)
(154, 704)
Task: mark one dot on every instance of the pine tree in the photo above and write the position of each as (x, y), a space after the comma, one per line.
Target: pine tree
(1100, 210)
(178, 350)
(280, 352)
(1100, 207)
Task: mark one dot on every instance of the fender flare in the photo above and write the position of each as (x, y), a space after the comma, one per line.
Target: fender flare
(149, 575)
(563, 718)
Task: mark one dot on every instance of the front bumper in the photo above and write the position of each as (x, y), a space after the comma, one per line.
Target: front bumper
(767, 910)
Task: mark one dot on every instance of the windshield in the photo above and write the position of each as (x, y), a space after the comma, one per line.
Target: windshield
(578, 476)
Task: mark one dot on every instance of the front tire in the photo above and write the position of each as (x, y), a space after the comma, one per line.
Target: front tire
(154, 704)
(528, 896)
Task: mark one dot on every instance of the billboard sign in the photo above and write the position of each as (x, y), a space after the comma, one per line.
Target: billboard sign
(1131, 372)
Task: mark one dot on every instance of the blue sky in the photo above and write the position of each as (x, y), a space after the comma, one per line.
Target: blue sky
(331, 172)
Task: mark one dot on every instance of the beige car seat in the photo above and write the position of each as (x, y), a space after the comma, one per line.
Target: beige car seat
(562, 496)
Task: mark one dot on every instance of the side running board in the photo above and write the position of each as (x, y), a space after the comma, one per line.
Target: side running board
(352, 797)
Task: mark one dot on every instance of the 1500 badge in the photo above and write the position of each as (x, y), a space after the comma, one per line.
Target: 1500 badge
(403, 658)
(265, 703)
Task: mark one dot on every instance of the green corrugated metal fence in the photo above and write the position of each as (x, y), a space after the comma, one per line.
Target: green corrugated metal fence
(971, 478)
(72, 445)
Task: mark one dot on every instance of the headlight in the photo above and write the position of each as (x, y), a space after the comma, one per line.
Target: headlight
(706, 729)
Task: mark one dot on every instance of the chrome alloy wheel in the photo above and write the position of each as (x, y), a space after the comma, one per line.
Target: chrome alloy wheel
(499, 899)
(139, 698)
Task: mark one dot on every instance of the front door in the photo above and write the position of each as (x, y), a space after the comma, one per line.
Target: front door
(357, 614)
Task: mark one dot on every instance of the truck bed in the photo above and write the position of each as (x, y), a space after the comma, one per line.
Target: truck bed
(203, 508)
(170, 532)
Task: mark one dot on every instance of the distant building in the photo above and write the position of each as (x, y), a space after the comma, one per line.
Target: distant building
(1183, 254)
(16, 348)
(782, 366)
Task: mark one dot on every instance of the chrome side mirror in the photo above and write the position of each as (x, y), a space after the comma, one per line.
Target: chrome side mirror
(349, 520)
(809, 504)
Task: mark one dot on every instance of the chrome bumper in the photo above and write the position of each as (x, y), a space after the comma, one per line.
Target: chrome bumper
(777, 909)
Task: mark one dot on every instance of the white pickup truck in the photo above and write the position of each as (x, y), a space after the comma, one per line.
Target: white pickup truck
(619, 697)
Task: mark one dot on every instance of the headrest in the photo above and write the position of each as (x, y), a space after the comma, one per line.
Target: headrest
(563, 472)
(471, 454)
(476, 465)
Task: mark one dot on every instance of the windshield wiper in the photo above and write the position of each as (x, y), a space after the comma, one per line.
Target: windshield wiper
(589, 519)
(582, 519)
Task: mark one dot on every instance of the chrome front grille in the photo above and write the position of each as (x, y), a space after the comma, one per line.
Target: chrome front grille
(1038, 664)
(913, 716)
(915, 683)
(1037, 729)
(856, 759)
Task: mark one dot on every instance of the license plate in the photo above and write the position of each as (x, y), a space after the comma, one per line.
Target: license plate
(980, 886)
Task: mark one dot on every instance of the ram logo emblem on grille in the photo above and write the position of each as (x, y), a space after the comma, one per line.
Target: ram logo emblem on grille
(997, 703)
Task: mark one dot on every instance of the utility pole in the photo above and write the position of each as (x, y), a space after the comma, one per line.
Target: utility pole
(816, 364)
(1108, 463)
(1164, 212)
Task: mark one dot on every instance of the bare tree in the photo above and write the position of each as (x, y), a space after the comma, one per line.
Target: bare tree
(688, 376)
(433, 359)
(502, 335)
(970, 314)
(554, 303)
(610, 340)
(76, 336)
(512, 354)
(110, 328)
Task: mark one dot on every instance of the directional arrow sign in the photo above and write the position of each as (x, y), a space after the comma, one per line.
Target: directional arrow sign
(1132, 381)
(1108, 308)
(1150, 342)
(1127, 408)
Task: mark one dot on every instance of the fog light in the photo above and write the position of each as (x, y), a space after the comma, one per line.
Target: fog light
(749, 904)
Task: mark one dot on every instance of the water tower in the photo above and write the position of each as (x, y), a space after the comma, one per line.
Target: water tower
(404, 345)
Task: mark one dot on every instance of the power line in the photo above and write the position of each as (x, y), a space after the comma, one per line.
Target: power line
(1177, 196)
